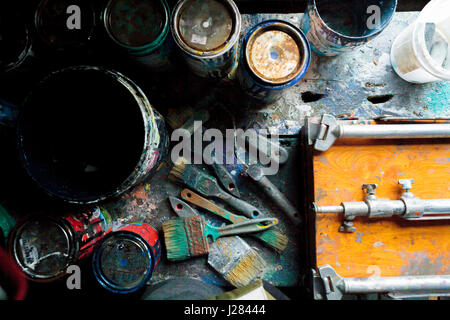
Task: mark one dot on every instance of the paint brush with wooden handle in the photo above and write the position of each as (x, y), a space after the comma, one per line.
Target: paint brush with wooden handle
(256, 173)
(271, 237)
(209, 187)
(188, 237)
(236, 261)
(232, 257)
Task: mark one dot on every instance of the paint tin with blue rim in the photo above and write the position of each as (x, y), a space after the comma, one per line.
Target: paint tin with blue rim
(207, 35)
(335, 27)
(275, 55)
(125, 260)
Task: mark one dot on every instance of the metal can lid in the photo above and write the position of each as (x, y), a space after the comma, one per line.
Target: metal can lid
(123, 262)
(43, 248)
(136, 23)
(56, 23)
(205, 25)
(274, 53)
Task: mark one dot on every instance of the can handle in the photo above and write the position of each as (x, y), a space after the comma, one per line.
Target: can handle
(9, 113)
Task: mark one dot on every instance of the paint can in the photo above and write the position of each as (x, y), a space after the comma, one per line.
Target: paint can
(86, 134)
(207, 35)
(335, 27)
(275, 55)
(7, 223)
(45, 246)
(142, 29)
(15, 40)
(125, 260)
(65, 24)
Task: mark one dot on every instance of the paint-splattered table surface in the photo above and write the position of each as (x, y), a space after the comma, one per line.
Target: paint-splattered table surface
(361, 83)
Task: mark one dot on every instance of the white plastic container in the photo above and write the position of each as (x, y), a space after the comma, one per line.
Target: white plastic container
(412, 50)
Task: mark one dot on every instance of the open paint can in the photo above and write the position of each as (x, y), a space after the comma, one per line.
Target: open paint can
(124, 261)
(15, 40)
(7, 222)
(65, 24)
(207, 34)
(275, 56)
(335, 27)
(45, 246)
(86, 134)
(142, 29)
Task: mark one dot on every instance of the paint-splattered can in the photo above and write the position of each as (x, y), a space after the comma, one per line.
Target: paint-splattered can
(15, 40)
(207, 34)
(125, 260)
(45, 246)
(335, 27)
(105, 139)
(275, 56)
(142, 29)
(7, 222)
(65, 24)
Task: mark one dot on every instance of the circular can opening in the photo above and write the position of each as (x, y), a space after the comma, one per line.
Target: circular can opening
(123, 262)
(43, 248)
(15, 40)
(57, 24)
(356, 18)
(81, 134)
(276, 52)
(136, 23)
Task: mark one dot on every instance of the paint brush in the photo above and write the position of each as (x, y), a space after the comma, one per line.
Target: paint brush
(208, 186)
(236, 261)
(256, 173)
(188, 237)
(271, 237)
(185, 119)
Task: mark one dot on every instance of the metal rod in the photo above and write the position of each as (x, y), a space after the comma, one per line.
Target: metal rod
(400, 131)
(330, 209)
(432, 284)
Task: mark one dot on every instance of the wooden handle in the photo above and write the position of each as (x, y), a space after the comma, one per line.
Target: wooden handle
(201, 202)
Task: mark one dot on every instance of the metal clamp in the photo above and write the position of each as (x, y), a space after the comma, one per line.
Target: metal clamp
(325, 133)
(328, 285)
(408, 207)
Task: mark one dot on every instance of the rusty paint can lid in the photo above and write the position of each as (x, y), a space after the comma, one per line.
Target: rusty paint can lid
(137, 23)
(43, 247)
(276, 52)
(57, 24)
(123, 262)
(206, 26)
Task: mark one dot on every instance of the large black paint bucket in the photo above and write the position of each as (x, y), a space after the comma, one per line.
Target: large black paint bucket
(87, 134)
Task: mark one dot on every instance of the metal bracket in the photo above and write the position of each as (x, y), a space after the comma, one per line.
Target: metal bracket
(327, 284)
(324, 134)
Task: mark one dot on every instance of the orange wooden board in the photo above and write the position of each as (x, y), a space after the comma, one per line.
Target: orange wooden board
(389, 246)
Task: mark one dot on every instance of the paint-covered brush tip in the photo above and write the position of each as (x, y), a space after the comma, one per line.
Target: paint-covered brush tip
(177, 172)
(274, 239)
(175, 238)
(185, 238)
(236, 261)
(246, 270)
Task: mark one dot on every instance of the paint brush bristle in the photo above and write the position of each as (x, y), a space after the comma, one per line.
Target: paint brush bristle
(176, 119)
(176, 240)
(178, 170)
(235, 260)
(246, 270)
(185, 238)
(274, 239)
